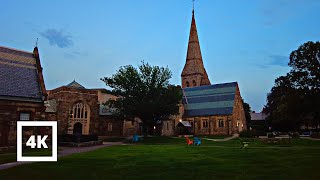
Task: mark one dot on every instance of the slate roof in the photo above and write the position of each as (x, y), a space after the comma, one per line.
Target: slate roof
(18, 75)
(216, 99)
(75, 84)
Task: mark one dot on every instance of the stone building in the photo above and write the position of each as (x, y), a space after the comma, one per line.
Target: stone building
(22, 91)
(79, 110)
(209, 109)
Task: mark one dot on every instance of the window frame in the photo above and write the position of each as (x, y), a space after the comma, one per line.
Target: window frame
(25, 112)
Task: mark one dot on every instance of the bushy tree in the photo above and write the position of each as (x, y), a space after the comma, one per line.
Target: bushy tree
(295, 98)
(145, 93)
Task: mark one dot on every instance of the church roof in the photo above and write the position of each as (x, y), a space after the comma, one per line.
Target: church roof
(75, 84)
(19, 77)
(216, 99)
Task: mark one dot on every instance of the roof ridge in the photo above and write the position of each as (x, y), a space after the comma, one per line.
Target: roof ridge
(16, 49)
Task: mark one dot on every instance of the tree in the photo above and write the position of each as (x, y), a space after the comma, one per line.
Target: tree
(295, 97)
(144, 92)
(247, 110)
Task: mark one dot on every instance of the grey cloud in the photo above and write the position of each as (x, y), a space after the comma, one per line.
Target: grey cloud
(278, 60)
(58, 38)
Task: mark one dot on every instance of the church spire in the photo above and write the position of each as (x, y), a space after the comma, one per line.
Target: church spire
(194, 73)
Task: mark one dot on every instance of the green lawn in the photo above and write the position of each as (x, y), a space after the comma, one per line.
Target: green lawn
(11, 156)
(169, 158)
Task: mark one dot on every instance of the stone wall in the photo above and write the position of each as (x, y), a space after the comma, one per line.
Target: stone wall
(168, 127)
(238, 117)
(10, 114)
(109, 126)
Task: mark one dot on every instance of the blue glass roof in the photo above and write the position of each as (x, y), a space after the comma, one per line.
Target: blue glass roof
(216, 99)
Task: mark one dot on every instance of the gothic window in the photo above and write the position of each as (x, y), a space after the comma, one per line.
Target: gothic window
(167, 125)
(187, 83)
(109, 126)
(194, 83)
(221, 123)
(79, 113)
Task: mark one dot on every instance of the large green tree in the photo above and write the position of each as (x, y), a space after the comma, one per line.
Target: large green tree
(295, 98)
(145, 93)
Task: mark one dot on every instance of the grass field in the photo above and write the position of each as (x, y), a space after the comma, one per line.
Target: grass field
(11, 156)
(169, 158)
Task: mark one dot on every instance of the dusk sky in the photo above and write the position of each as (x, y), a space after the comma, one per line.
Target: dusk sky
(248, 41)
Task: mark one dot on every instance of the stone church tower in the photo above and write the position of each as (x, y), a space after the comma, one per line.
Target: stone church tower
(194, 73)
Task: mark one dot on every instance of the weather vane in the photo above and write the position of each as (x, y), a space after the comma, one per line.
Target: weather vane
(193, 4)
(37, 43)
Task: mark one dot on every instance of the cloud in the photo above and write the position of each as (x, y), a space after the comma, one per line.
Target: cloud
(274, 60)
(278, 60)
(74, 54)
(57, 37)
(278, 11)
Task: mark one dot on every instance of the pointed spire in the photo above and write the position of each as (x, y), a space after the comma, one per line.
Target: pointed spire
(193, 45)
(194, 64)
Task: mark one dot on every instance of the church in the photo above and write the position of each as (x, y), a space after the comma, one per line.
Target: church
(206, 109)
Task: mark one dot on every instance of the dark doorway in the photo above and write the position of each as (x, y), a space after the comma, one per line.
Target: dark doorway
(77, 129)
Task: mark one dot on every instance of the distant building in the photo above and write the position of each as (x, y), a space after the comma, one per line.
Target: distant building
(258, 116)
(209, 109)
(258, 121)
(22, 91)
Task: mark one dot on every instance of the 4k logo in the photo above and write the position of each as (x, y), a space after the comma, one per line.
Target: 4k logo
(37, 141)
(41, 141)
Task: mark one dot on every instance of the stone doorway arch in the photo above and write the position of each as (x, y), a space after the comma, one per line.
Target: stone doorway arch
(77, 129)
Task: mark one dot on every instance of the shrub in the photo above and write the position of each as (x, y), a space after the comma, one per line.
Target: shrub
(315, 135)
(246, 134)
(294, 134)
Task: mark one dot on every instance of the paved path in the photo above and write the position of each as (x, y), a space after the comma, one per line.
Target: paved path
(65, 152)
(225, 139)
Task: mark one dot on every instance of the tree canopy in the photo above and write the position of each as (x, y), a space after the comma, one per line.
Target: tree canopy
(144, 92)
(295, 98)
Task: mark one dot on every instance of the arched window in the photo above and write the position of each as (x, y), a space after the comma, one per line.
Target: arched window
(187, 83)
(109, 126)
(194, 83)
(79, 113)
